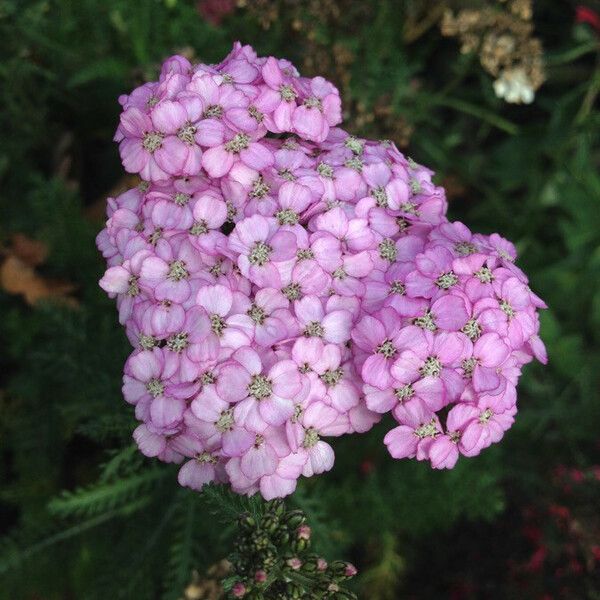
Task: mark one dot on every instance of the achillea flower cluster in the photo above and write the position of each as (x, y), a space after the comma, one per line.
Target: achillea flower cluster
(283, 282)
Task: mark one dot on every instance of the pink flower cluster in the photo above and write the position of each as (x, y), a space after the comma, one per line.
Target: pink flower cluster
(283, 282)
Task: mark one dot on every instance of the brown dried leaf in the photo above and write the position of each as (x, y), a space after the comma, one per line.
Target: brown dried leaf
(31, 252)
(17, 277)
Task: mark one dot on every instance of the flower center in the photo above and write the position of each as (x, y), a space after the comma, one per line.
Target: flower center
(259, 440)
(293, 291)
(181, 199)
(402, 223)
(380, 196)
(216, 269)
(404, 393)
(208, 378)
(387, 250)
(286, 174)
(340, 273)
(325, 170)
(178, 342)
(287, 93)
(186, 134)
(397, 287)
(155, 236)
(260, 254)
(226, 421)
(427, 430)
(152, 101)
(314, 329)
(259, 188)
(446, 280)
(155, 387)
(425, 322)
(471, 329)
(354, 144)
(304, 368)
(231, 211)
(217, 324)
(415, 186)
(134, 288)
(227, 78)
(468, 365)
(314, 102)
(177, 271)
(484, 275)
(239, 142)
(257, 314)
(206, 458)
(507, 309)
(298, 410)
(354, 163)
(147, 342)
(255, 114)
(410, 208)
(432, 367)
(152, 141)
(311, 437)
(260, 387)
(332, 377)
(387, 349)
(465, 248)
(214, 111)
(305, 254)
(199, 227)
(287, 217)
(486, 415)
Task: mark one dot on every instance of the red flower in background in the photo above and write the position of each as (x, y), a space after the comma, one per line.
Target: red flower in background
(584, 14)
(215, 10)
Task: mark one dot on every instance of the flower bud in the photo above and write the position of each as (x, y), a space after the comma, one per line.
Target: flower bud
(260, 576)
(294, 519)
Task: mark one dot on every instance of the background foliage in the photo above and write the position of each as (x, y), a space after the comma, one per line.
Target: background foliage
(83, 514)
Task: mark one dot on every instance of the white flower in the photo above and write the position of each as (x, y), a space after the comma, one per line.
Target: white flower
(514, 86)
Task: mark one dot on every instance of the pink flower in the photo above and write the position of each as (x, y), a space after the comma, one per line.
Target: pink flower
(388, 191)
(381, 336)
(321, 321)
(263, 395)
(305, 436)
(124, 279)
(272, 317)
(331, 381)
(260, 246)
(142, 146)
(167, 272)
(279, 96)
(414, 436)
(353, 234)
(488, 427)
(281, 289)
(433, 356)
(228, 321)
(320, 109)
(221, 156)
(434, 275)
